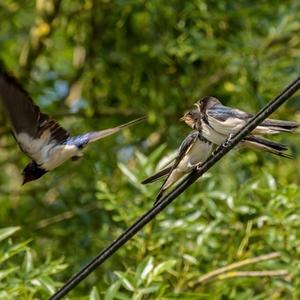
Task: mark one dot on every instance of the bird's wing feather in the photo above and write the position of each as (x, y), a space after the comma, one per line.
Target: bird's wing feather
(160, 174)
(226, 120)
(183, 150)
(28, 123)
(185, 147)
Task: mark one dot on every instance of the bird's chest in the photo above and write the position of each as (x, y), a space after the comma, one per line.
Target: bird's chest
(198, 153)
(45, 153)
(55, 156)
(212, 135)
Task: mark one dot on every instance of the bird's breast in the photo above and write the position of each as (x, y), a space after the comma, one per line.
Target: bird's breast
(58, 154)
(212, 135)
(198, 153)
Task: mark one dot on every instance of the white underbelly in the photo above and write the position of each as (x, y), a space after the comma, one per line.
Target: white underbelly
(58, 155)
(212, 135)
(198, 153)
(47, 154)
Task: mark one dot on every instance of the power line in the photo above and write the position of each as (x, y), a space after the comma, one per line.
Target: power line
(179, 189)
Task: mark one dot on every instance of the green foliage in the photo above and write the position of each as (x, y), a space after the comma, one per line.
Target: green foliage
(95, 64)
(19, 278)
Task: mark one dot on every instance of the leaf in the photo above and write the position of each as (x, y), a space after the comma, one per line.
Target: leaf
(6, 272)
(125, 281)
(94, 295)
(112, 291)
(132, 178)
(8, 231)
(164, 266)
(148, 268)
(13, 251)
(28, 263)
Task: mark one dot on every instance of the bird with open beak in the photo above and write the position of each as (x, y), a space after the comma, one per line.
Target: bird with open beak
(39, 136)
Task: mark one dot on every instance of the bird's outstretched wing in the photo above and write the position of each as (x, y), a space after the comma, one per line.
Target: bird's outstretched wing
(32, 129)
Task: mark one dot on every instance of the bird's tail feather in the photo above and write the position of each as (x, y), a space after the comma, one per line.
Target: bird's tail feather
(157, 176)
(133, 122)
(97, 135)
(267, 145)
(280, 125)
(159, 196)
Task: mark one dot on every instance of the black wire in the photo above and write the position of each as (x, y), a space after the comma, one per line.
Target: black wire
(180, 188)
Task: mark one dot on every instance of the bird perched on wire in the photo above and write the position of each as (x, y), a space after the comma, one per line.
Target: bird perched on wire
(41, 137)
(218, 123)
(193, 151)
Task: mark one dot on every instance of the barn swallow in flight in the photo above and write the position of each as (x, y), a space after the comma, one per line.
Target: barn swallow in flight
(41, 137)
(193, 151)
(218, 123)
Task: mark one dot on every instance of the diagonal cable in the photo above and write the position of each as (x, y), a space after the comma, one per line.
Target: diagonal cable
(179, 189)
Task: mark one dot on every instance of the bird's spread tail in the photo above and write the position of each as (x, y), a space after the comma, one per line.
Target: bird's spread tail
(277, 126)
(267, 145)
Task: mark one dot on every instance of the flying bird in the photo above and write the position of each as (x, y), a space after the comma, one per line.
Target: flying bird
(39, 136)
(193, 151)
(218, 123)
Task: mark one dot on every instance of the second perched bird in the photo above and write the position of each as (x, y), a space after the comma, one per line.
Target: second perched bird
(193, 151)
(38, 135)
(218, 122)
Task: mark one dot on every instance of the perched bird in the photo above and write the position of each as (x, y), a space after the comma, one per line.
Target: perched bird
(38, 135)
(218, 122)
(193, 151)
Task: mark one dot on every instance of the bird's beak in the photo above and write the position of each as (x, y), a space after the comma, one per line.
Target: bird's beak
(182, 119)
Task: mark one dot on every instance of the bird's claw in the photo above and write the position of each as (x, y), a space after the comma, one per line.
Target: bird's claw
(225, 144)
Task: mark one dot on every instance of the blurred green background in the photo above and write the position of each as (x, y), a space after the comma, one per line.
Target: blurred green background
(95, 64)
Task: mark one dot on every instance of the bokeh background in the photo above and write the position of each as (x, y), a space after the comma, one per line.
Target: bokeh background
(93, 64)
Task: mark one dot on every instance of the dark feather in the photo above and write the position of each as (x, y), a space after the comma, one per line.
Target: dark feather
(279, 125)
(267, 145)
(183, 149)
(24, 115)
(157, 176)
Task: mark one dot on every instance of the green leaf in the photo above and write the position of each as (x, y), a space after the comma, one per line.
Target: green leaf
(125, 281)
(163, 267)
(94, 295)
(7, 232)
(147, 269)
(7, 272)
(112, 291)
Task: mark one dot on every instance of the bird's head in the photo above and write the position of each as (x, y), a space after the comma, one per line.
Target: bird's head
(32, 172)
(192, 118)
(206, 103)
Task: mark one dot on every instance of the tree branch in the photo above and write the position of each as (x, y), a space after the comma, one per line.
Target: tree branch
(250, 261)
